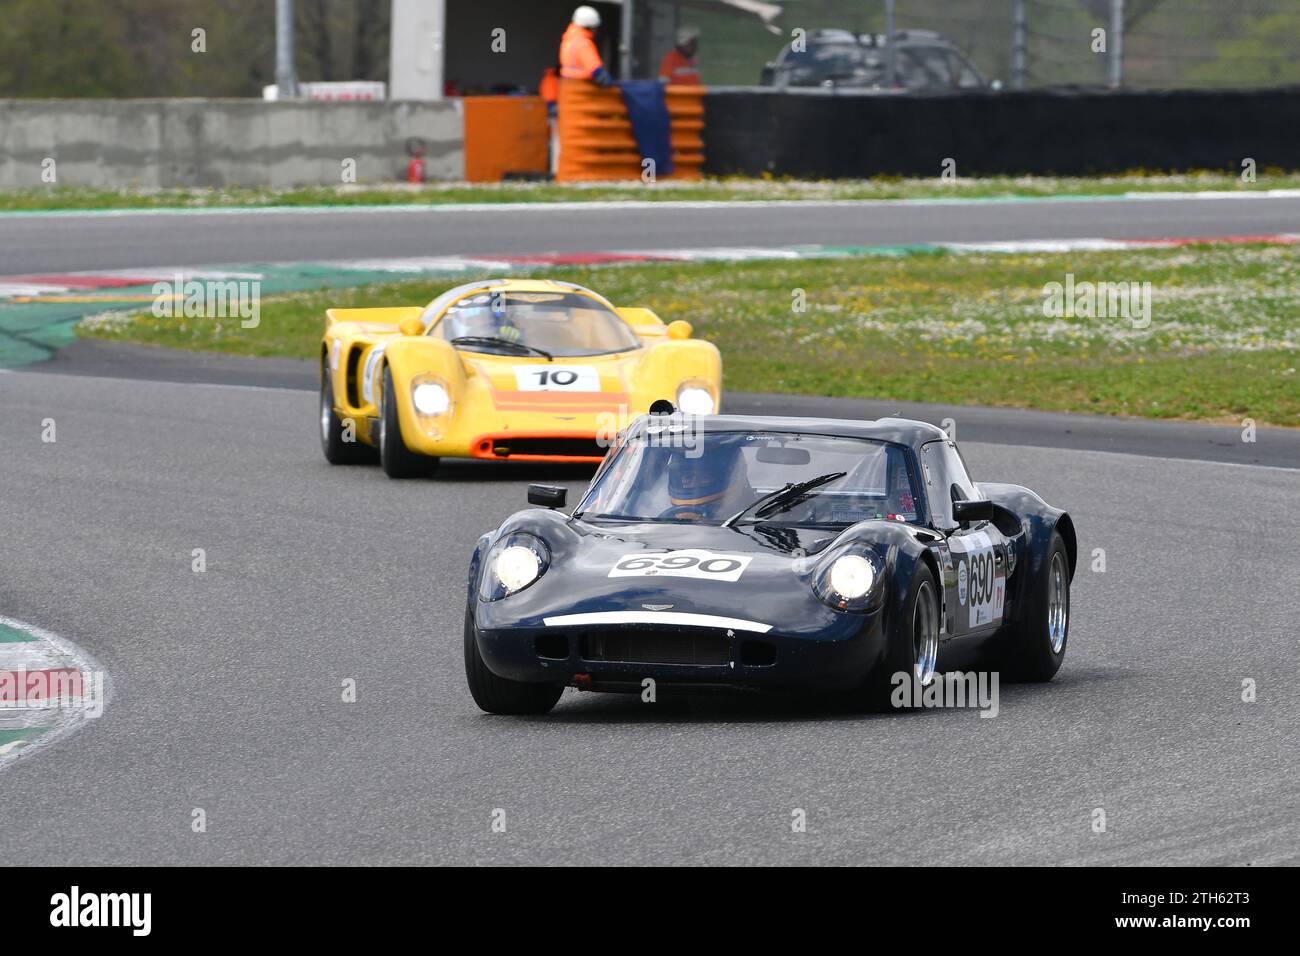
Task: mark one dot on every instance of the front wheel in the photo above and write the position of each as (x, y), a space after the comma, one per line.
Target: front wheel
(912, 651)
(497, 695)
(398, 460)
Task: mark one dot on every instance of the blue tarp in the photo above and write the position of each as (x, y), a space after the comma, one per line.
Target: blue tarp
(648, 111)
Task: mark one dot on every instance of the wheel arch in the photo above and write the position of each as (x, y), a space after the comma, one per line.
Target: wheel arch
(1065, 528)
(930, 561)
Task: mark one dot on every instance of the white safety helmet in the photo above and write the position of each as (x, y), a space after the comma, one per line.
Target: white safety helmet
(586, 16)
(686, 34)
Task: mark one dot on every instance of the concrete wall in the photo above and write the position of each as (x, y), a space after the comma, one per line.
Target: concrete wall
(178, 143)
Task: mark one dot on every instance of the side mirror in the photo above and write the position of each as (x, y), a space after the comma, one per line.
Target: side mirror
(547, 496)
(968, 512)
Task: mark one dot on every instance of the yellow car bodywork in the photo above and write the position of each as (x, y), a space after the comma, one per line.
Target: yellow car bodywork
(489, 415)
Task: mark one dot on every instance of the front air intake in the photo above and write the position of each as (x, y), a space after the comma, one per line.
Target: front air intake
(539, 448)
(654, 648)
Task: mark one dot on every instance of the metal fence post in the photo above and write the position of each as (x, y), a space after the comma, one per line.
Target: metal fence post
(1116, 44)
(625, 40)
(891, 59)
(286, 76)
(1019, 47)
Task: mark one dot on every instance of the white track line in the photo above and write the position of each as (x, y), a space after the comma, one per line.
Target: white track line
(626, 205)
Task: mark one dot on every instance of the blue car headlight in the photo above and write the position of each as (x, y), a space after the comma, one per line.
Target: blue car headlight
(850, 579)
(512, 564)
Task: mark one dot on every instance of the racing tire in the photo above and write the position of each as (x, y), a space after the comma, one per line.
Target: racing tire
(497, 695)
(1034, 648)
(912, 648)
(337, 450)
(397, 460)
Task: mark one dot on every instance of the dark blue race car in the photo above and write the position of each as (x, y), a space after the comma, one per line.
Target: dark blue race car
(766, 553)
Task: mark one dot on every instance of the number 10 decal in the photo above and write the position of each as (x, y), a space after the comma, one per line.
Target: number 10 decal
(691, 563)
(556, 378)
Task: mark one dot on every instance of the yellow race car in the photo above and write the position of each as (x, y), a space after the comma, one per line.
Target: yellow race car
(502, 369)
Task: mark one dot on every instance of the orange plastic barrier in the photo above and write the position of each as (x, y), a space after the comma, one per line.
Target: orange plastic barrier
(596, 140)
(505, 134)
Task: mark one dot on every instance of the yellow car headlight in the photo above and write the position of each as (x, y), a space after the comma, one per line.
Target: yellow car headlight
(695, 400)
(431, 398)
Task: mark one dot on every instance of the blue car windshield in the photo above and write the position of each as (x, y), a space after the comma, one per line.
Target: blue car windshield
(707, 477)
(558, 323)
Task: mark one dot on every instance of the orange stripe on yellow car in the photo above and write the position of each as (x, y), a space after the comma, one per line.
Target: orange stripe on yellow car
(558, 401)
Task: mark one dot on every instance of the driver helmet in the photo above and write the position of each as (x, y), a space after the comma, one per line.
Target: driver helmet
(504, 326)
(701, 479)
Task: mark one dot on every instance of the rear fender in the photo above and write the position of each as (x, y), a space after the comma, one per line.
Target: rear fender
(391, 317)
(349, 333)
(644, 323)
(1037, 521)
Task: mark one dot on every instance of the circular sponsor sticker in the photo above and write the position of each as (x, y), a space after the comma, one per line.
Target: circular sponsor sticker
(961, 582)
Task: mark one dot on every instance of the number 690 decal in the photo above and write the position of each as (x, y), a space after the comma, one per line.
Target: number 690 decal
(691, 563)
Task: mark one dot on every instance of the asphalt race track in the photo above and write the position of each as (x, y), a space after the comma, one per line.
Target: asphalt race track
(227, 683)
(44, 243)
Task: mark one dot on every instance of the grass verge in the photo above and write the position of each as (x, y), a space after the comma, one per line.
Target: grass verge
(1222, 342)
(60, 198)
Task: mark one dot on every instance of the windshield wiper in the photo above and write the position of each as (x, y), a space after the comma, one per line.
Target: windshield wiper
(783, 498)
(493, 340)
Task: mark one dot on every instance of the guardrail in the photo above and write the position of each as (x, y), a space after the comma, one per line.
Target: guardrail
(596, 140)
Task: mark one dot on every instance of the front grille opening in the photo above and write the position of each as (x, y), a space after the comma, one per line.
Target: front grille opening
(554, 447)
(757, 654)
(652, 648)
(553, 647)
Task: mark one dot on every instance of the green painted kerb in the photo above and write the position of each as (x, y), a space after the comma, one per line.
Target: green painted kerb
(24, 734)
(32, 332)
(10, 635)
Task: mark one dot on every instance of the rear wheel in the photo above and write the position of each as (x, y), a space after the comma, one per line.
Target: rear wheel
(912, 649)
(1035, 648)
(398, 460)
(497, 695)
(339, 445)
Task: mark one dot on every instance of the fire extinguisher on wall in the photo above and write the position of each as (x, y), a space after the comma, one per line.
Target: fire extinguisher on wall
(415, 168)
